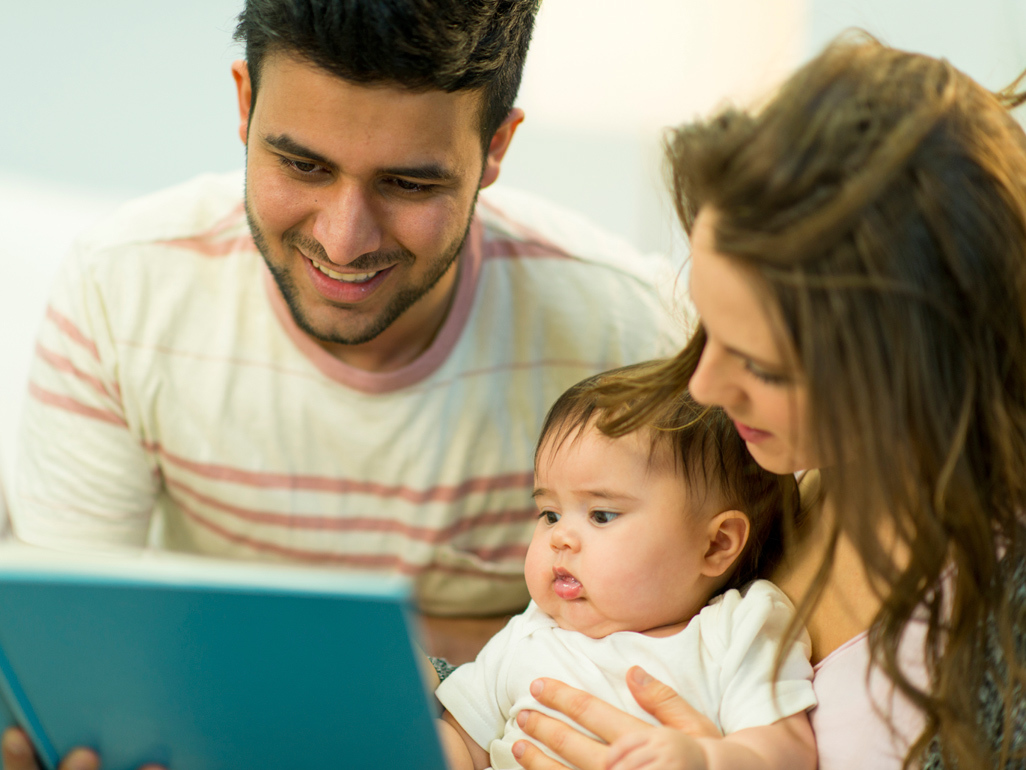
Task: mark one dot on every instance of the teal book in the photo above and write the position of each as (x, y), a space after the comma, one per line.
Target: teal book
(202, 665)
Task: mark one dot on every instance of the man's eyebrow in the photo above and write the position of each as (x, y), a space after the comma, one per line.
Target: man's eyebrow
(429, 172)
(286, 143)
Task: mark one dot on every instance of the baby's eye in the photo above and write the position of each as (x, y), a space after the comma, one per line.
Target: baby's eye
(603, 517)
(551, 517)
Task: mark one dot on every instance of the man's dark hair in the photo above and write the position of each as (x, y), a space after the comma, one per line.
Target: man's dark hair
(448, 45)
(707, 450)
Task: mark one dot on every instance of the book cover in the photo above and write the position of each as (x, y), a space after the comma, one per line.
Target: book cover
(201, 665)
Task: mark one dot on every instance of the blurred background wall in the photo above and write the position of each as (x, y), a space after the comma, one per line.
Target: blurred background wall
(107, 99)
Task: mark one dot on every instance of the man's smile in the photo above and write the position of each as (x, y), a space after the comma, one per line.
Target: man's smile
(346, 277)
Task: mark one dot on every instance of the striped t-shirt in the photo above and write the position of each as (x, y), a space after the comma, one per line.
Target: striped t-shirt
(171, 381)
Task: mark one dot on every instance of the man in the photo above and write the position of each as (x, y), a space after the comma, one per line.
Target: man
(348, 364)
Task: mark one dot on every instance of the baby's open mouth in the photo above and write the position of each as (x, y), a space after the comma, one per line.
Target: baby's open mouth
(565, 585)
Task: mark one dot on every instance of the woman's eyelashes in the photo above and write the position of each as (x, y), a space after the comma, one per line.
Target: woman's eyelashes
(770, 378)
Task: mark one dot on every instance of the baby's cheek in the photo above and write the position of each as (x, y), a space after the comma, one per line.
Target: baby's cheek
(535, 571)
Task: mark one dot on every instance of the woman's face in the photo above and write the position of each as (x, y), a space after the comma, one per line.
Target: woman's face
(743, 367)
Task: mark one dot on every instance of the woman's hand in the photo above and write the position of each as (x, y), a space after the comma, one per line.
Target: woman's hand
(627, 739)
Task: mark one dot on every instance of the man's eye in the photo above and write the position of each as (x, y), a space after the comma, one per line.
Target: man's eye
(603, 517)
(551, 517)
(407, 186)
(300, 166)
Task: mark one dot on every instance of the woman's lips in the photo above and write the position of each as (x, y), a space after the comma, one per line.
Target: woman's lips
(566, 586)
(749, 434)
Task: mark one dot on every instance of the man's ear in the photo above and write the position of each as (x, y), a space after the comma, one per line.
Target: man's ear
(728, 533)
(244, 88)
(499, 144)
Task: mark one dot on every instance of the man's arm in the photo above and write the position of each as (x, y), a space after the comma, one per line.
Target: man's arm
(83, 477)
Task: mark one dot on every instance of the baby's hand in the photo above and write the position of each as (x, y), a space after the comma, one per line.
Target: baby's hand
(657, 748)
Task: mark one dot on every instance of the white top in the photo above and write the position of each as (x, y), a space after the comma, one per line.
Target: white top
(721, 662)
(170, 378)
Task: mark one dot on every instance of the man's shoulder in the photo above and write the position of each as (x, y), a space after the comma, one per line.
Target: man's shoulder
(520, 224)
(544, 255)
(207, 207)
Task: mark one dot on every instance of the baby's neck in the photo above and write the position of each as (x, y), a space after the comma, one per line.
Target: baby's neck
(670, 630)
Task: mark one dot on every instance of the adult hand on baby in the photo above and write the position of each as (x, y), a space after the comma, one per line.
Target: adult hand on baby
(627, 739)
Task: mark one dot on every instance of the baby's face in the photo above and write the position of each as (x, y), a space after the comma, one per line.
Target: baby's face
(617, 546)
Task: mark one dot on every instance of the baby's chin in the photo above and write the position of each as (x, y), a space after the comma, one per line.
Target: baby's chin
(599, 628)
(581, 616)
(596, 628)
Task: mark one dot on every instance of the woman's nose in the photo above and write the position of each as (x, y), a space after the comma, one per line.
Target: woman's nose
(714, 381)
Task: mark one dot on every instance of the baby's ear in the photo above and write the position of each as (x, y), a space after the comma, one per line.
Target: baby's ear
(728, 533)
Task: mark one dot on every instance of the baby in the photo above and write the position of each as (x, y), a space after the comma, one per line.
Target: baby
(642, 554)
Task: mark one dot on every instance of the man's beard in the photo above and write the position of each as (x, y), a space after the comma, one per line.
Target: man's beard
(403, 300)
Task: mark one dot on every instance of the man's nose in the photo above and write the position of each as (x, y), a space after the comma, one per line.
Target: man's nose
(348, 222)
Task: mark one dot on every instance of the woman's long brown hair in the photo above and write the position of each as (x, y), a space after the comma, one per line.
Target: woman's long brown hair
(880, 202)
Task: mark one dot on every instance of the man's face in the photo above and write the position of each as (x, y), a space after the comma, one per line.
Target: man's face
(359, 198)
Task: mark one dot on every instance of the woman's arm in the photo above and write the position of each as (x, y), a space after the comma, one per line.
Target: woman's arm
(692, 741)
(461, 751)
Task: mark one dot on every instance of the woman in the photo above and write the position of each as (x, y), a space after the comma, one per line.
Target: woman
(859, 271)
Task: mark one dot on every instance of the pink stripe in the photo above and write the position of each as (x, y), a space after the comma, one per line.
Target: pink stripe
(71, 331)
(590, 367)
(389, 562)
(526, 233)
(361, 524)
(62, 364)
(500, 249)
(70, 405)
(206, 243)
(441, 493)
(200, 245)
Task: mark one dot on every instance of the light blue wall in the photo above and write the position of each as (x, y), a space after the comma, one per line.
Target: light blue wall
(985, 38)
(122, 95)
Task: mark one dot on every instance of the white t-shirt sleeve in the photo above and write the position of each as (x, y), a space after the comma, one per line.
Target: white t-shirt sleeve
(84, 478)
(475, 693)
(749, 629)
